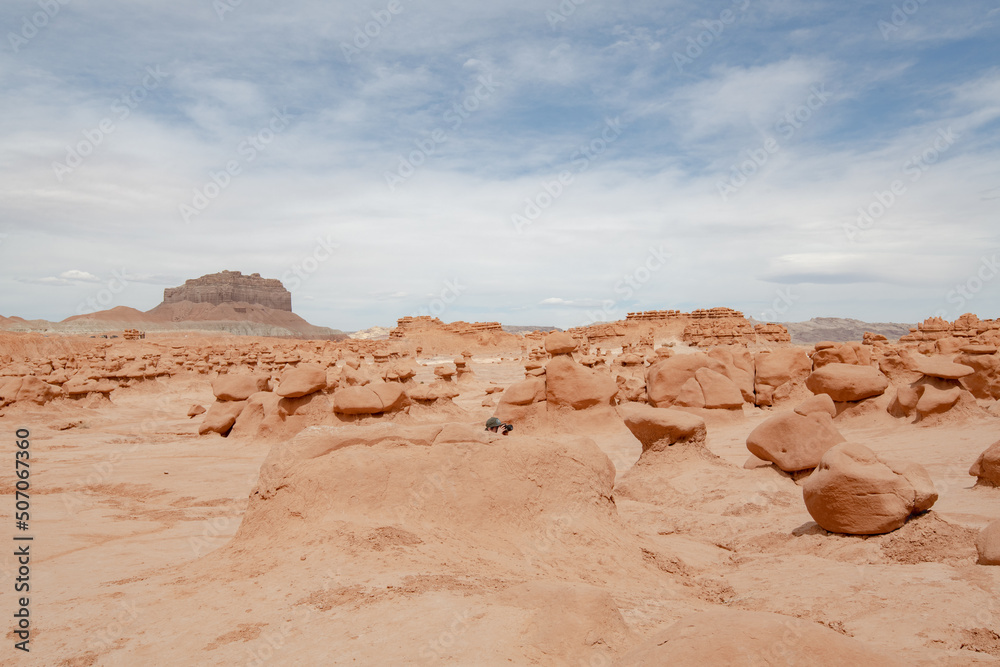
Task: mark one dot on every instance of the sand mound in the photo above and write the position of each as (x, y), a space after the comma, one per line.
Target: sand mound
(730, 637)
(929, 538)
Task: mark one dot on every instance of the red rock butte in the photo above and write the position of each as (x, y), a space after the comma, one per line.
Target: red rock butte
(231, 287)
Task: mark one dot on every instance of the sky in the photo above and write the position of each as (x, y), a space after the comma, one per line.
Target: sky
(533, 162)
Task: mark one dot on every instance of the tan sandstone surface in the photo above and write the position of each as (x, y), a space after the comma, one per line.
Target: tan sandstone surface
(356, 512)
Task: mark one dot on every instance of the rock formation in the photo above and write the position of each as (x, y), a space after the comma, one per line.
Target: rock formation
(231, 287)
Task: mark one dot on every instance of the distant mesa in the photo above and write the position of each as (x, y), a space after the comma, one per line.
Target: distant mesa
(225, 302)
(232, 287)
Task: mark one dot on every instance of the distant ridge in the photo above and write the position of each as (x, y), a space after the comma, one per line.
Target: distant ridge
(842, 330)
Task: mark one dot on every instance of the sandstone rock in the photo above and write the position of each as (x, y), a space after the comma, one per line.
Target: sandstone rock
(691, 395)
(940, 367)
(195, 410)
(567, 383)
(724, 636)
(987, 466)
(658, 428)
(934, 401)
(391, 394)
(844, 382)
(853, 491)
(793, 441)
(525, 392)
(665, 378)
(560, 342)
(301, 380)
(30, 389)
(985, 381)
(781, 368)
(438, 390)
(231, 286)
(356, 401)
(818, 403)
(77, 386)
(221, 416)
(988, 544)
(238, 387)
(719, 391)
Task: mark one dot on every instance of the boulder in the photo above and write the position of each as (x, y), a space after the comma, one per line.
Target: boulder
(988, 544)
(776, 367)
(691, 395)
(719, 391)
(793, 441)
(238, 387)
(33, 390)
(524, 392)
(567, 383)
(356, 401)
(665, 378)
(855, 492)
(846, 382)
(722, 636)
(560, 342)
(301, 380)
(818, 403)
(195, 410)
(987, 466)
(934, 401)
(221, 416)
(391, 394)
(659, 428)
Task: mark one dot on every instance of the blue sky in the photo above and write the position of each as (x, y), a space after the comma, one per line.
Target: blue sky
(535, 162)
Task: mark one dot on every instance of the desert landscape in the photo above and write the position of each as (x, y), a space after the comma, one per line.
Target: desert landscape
(570, 333)
(677, 488)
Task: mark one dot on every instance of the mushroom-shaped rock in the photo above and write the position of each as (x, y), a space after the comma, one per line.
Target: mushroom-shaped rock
(987, 466)
(221, 416)
(793, 441)
(301, 380)
(724, 636)
(445, 371)
(988, 544)
(356, 401)
(847, 382)
(659, 428)
(238, 387)
(853, 491)
(939, 367)
(569, 384)
(560, 342)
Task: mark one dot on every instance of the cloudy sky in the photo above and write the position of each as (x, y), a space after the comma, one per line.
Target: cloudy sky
(530, 161)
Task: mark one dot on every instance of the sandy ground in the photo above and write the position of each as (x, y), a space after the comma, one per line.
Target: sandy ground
(132, 562)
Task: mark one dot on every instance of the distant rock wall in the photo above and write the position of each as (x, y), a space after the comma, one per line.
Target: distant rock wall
(231, 287)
